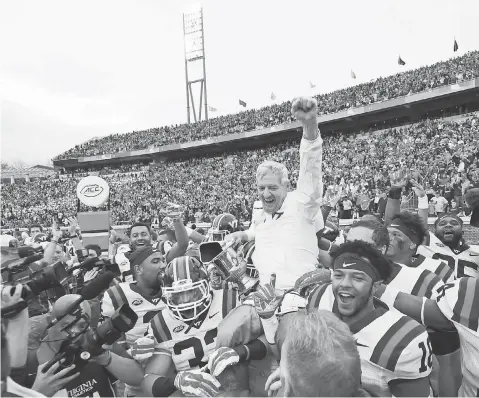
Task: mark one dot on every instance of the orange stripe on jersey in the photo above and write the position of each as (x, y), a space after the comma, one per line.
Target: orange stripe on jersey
(229, 301)
(466, 309)
(160, 329)
(425, 283)
(117, 296)
(395, 340)
(444, 271)
(315, 296)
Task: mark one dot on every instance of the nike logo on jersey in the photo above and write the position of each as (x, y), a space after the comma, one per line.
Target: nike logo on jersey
(474, 254)
(361, 345)
(216, 313)
(394, 225)
(345, 265)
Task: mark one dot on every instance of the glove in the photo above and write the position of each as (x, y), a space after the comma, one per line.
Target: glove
(142, 349)
(251, 271)
(221, 359)
(309, 280)
(195, 383)
(265, 301)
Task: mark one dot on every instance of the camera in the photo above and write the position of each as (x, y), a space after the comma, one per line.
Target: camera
(88, 343)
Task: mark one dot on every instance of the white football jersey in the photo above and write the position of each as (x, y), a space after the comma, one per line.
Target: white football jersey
(465, 261)
(391, 345)
(190, 345)
(145, 307)
(417, 282)
(439, 267)
(459, 302)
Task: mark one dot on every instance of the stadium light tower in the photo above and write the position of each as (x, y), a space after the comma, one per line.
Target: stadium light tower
(195, 51)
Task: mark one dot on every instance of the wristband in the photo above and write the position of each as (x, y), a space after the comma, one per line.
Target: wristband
(248, 353)
(389, 296)
(108, 362)
(395, 193)
(422, 309)
(270, 326)
(422, 203)
(163, 386)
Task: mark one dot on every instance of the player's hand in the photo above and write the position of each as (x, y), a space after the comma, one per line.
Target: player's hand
(305, 109)
(167, 223)
(309, 280)
(273, 383)
(56, 232)
(418, 188)
(265, 301)
(174, 211)
(73, 225)
(195, 383)
(48, 383)
(221, 359)
(398, 178)
(332, 196)
(143, 349)
(236, 238)
(239, 270)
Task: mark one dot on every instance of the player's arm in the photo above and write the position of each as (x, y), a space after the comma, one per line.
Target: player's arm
(121, 365)
(195, 236)
(310, 179)
(181, 245)
(160, 373)
(422, 310)
(422, 202)
(410, 388)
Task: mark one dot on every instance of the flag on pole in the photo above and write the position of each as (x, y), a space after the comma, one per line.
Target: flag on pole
(242, 103)
(353, 75)
(456, 47)
(400, 61)
(311, 84)
(273, 97)
(211, 109)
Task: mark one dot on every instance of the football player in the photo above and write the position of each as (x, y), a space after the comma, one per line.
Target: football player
(394, 349)
(185, 332)
(143, 296)
(223, 224)
(456, 306)
(447, 243)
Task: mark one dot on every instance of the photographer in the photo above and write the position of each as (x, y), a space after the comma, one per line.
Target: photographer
(14, 350)
(96, 374)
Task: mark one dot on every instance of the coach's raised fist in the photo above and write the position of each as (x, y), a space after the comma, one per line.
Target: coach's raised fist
(305, 109)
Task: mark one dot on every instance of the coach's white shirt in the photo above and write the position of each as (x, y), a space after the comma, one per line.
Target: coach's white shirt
(286, 243)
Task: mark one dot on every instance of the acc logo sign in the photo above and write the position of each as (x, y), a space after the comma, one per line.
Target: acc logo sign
(90, 191)
(137, 301)
(93, 191)
(178, 329)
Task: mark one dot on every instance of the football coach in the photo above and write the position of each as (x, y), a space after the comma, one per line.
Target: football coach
(285, 229)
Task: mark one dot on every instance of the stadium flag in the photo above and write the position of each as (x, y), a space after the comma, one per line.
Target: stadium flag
(242, 103)
(211, 109)
(353, 75)
(311, 84)
(400, 61)
(273, 97)
(456, 47)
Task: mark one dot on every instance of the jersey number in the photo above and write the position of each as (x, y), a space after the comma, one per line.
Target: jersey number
(441, 292)
(426, 353)
(461, 264)
(195, 343)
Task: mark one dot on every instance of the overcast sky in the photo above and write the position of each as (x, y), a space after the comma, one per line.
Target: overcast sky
(73, 70)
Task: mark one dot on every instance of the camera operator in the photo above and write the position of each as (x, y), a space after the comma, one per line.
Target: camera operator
(14, 350)
(97, 374)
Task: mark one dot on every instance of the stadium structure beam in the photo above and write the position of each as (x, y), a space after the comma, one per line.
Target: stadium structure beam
(194, 48)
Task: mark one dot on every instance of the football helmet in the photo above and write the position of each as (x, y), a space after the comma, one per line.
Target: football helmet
(186, 289)
(221, 226)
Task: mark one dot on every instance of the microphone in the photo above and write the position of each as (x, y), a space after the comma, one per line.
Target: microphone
(93, 289)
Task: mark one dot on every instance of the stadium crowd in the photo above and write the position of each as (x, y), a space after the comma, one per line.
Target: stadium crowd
(425, 78)
(443, 153)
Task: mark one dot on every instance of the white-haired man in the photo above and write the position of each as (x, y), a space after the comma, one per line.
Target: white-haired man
(285, 229)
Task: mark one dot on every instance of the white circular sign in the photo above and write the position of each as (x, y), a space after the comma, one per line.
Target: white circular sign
(93, 191)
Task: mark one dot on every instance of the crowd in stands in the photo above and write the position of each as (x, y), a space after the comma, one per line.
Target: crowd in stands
(441, 154)
(452, 71)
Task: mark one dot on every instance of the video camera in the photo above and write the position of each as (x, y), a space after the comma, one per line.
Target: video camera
(104, 265)
(88, 343)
